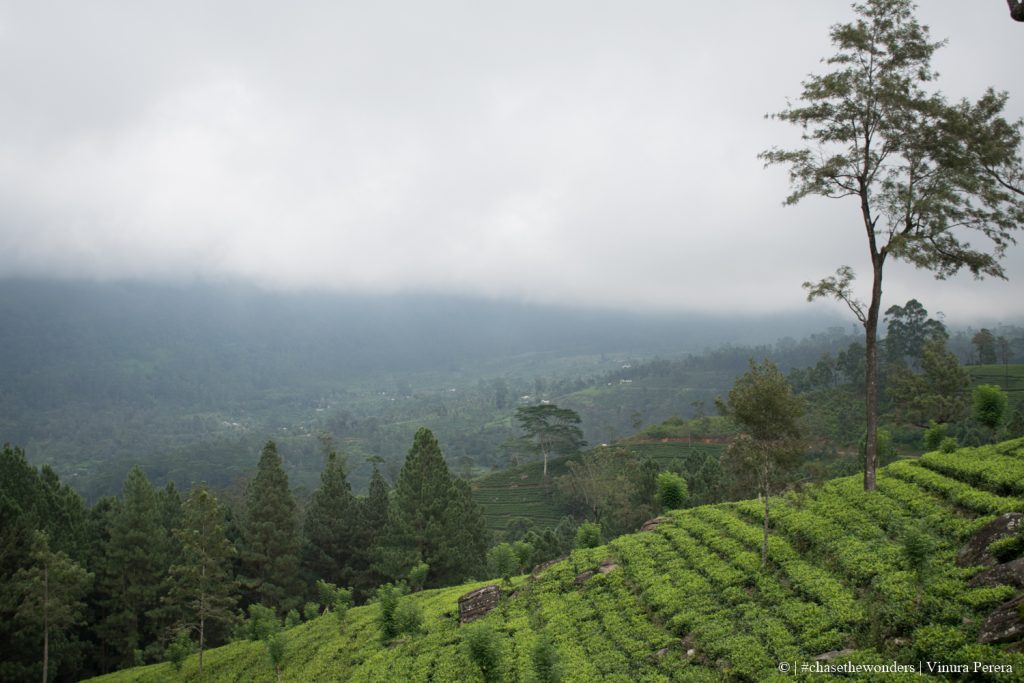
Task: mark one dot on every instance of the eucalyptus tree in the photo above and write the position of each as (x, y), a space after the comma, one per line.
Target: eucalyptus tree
(924, 174)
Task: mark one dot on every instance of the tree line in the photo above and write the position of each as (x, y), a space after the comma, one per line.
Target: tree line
(131, 578)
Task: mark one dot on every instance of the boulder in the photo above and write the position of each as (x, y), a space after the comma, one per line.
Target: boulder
(607, 566)
(475, 604)
(584, 577)
(545, 565)
(1009, 573)
(651, 524)
(1004, 625)
(976, 551)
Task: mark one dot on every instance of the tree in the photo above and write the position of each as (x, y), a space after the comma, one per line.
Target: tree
(762, 404)
(330, 528)
(600, 485)
(202, 584)
(502, 562)
(551, 429)
(132, 570)
(51, 589)
(990, 404)
(924, 174)
(372, 518)
(672, 490)
(938, 393)
(908, 329)
(985, 344)
(270, 559)
(432, 518)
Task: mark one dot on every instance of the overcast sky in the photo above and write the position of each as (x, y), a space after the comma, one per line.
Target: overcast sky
(585, 152)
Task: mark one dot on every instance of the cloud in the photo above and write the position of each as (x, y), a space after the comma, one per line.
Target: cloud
(578, 153)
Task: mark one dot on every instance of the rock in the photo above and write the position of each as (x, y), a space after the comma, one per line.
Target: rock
(1004, 625)
(1009, 573)
(584, 577)
(475, 604)
(607, 566)
(976, 551)
(545, 565)
(652, 524)
(661, 653)
(834, 654)
(691, 653)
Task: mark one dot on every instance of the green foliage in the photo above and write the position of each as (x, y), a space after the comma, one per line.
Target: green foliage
(544, 658)
(311, 610)
(408, 617)
(948, 444)
(989, 405)
(330, 526)
(433, 519)
(484, 647)
(502, 561)
(387, 602)
(262, 623)
(934, 436)
(672, 490)
(418, 576)
(276, 645)
(179, 650)
(270, 551)
(292, 618)
(552, 430)
(588, 535)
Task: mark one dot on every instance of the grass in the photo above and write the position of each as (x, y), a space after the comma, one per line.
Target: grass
(690, 602)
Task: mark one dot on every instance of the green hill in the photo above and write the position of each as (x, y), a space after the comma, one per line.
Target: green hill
(870, 573)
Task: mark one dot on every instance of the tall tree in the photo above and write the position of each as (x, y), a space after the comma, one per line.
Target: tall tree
(908, 329)
(551, 430)
(330, 527)
(924, 174)
(432, 518)
(768, 415)
(372, 520)
(985, 344)
(51, 590)
(270, 551)
(938, 393)
(134, 564)
(201, 582)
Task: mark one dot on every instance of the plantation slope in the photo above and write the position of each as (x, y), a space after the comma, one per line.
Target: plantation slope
(689, 602)
(521, 491)
(1009, 377)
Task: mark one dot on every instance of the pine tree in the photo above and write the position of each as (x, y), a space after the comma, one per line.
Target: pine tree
(372, 523)
(133, 566)
(50, 591)
(432, 519)
(270, 555)
(330, 528)
(201, 583)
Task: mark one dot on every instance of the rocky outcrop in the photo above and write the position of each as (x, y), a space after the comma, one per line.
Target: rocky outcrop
(834, 654)
(976, 551)
(540, 568)
(475, 604)
(1004, 625)
(584, 577)
(607, 566)
(652, 524)
(1008, 573)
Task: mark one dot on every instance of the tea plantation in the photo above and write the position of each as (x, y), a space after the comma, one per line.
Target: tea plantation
(872, 575)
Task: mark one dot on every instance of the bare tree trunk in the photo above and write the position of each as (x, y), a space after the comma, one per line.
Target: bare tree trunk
(871, 376)
(202, 638)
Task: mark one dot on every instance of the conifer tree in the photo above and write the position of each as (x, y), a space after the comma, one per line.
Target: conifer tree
(50, 590)
(132, 569)
(202, 585)
(432, 519)
(270, 556)
(372, 523)
(331, 526)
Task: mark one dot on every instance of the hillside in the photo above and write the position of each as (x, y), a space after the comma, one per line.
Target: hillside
(874, 574)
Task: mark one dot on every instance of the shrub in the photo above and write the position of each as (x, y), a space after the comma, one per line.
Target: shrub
(934, 436)
(387, 601)
(949, 444)
(989, 405)
(502, 561)
(484, 647)
(545, 660)
(408, 617)
(672, 490)
(311, 610)
(180, 649)
(418, 576)
(588, 535)
(292, 619)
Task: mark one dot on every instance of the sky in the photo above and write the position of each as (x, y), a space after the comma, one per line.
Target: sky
(582, 153)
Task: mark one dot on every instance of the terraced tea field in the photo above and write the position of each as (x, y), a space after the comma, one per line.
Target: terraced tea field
(689, 600)
(1009, 377)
